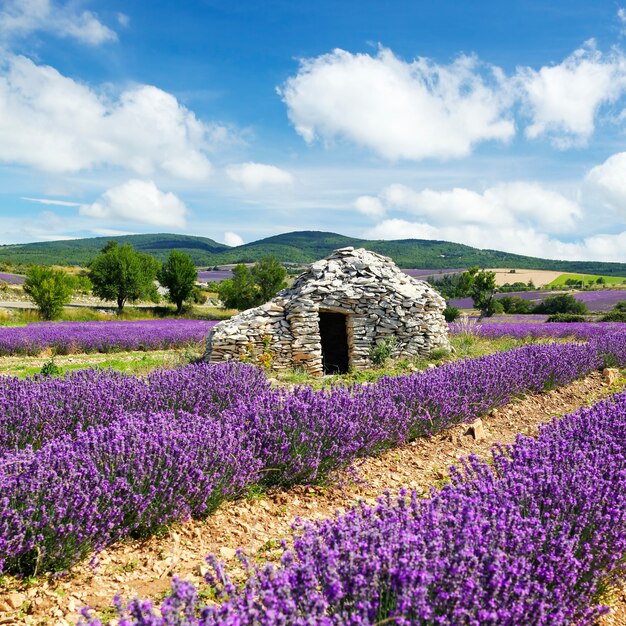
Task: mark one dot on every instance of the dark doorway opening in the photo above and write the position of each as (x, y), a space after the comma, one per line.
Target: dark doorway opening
(334, 338)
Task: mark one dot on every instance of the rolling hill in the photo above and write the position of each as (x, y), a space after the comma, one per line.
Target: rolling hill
(297, 247)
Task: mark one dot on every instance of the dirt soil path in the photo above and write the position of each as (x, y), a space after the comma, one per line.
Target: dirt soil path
(145, 568)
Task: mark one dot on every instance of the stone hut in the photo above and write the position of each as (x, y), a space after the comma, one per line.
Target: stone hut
(334, 314)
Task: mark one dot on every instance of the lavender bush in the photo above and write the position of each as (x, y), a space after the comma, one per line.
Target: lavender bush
(109, 336)
(96, 456)
(528, 539)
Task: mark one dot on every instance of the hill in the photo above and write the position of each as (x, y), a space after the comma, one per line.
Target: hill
(298, 247)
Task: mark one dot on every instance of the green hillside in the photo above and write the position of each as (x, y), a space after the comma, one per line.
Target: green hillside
(81, 251)
(297, 247)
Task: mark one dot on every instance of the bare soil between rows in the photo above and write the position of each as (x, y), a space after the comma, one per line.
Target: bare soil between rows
(257, 525)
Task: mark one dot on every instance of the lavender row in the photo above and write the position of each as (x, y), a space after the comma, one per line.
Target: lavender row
(602, 300)
(68, 337)
(96, 457)
(529, 540)
(555, 330)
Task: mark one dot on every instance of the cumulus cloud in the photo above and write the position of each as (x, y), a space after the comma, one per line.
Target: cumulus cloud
(608, 181)
(19, 18)
(501, 205)
(370, 206)
(56, 124)
(139, 201)
(563, 100)
(253, 176)
(517, 239)
(520, 217)
(232, 239)
(398, 109)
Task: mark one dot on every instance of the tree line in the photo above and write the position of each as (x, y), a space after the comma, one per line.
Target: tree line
(122, 274)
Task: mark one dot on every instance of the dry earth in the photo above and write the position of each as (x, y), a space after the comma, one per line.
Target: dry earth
(257, 524)
(539, 277)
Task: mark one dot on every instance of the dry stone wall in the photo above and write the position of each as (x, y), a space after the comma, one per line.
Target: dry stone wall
(376, 297)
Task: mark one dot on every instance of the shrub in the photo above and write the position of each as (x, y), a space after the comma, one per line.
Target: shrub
(562, 303)
(451, 313)
(49, 289)
(516, 304)
(566, 317)
(383, 349)
(614, 316)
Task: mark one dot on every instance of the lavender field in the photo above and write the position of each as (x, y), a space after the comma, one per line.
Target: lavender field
(97, 456)
(526, 539)
(214, 276)
(512, 326)
(12, 279)
(600, 301)
(108, 336)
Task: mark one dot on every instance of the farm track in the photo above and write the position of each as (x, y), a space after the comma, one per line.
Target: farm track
(144, 568)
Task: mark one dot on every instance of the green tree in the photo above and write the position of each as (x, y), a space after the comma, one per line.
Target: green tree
(122, 274)
(179, 275)
(240, 291)
(269, 275)
(49, 289)
(562, 303)
(481, 286)
(248, 288)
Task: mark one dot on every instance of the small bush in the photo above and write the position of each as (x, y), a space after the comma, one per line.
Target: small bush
(565, 317)
(50, 368)
(383, 349)
(614, 316)
(451, 313)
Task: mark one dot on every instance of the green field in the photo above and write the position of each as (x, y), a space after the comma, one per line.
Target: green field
(587, 279)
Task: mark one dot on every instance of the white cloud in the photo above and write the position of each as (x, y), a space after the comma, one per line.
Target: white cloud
(232, 239)
(50, 201)
(138, 201)
(370, 206)
(401, 110)
(505, 204)
(56, 124)
(520, 240)
(19, 18)
(563, 100)
(253, 176)
(621, 16)
(608, 181)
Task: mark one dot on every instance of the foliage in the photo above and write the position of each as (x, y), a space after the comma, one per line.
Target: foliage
(269, 276)
(240, 291)
(122, 274)
(517, 286)
(614, 316)
(516, 305)
(179, 275)
(451, 313)
(561, 303)
(50, 368)
(49, 289)
(249, 288)
(382, 350)
(566, 317)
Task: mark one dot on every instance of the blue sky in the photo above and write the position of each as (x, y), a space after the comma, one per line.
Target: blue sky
(499, 125)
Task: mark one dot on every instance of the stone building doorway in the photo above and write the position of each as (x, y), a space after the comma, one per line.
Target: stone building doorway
(334, 340)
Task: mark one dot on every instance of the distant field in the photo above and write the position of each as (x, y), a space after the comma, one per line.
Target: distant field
(12, 279)
(560, 281)
(540, 278)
